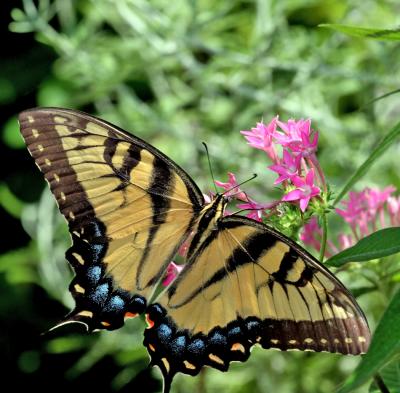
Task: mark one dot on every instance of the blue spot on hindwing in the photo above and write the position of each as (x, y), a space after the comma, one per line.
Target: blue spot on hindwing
(97, 252)
(253, 327)
(218, 339)
(97, 230)
(197, 347)
(178, 345)
(164, 333)
(100, 294)
(93, 275)
(115, 304)
(235, 331)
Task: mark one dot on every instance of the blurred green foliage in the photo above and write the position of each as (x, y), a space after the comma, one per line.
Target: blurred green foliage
(177, 73)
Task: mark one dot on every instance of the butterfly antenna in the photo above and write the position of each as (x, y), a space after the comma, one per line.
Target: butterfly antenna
(240, 184)
(210, 167)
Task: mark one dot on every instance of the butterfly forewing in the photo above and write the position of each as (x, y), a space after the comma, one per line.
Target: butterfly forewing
(128, 207)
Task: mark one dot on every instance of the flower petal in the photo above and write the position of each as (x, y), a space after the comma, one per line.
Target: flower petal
(304, 203)
(292, 195)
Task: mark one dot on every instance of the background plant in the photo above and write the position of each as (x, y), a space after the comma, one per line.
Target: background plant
(177, 73)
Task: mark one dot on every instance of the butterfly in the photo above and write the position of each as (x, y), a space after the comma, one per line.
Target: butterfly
(129, 209)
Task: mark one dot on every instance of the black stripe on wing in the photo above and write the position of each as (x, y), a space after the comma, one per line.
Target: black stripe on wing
(161, 186)
(131, 159)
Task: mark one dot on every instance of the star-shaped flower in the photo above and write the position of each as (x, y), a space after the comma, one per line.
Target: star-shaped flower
(232, 187)
(256, 210)
(287, 169)
(298, 136)
(305, 190)
(261, 137)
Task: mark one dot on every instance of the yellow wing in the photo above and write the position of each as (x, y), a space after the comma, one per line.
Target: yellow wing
(248, 284)
(128, 207)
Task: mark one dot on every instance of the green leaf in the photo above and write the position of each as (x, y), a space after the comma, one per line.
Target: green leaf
(365, 32)
(359, 291)
(391, 377)
(11, 135)
(385, 344)
(381, 148)
(377, 245)
(66, 344)
(10, 202)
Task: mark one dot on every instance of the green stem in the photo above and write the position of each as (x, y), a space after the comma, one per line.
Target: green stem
(324, 237)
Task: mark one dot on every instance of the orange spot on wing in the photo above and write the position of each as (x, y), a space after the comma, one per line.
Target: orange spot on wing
(149, 322)
(238, 347)
(105, 323)
(130, 315)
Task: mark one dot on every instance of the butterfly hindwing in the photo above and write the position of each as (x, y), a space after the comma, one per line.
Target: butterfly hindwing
(127, 205)
(248, 284)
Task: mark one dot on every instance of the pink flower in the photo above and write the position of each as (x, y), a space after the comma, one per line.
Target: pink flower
(172, 271)
(376, 198)
(393, 205)
(345, 241)
(232, 187)
(311, 234)
(363, 210)
(256, 210)
(298, 136)
(308, 146)
(183, 249)
(364, 205)
(304, 192)
(288, 169)
(291, 131)
(261, 136)
(353, 207)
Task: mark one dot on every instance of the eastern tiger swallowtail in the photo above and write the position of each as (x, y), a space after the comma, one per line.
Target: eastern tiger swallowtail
(129, 208)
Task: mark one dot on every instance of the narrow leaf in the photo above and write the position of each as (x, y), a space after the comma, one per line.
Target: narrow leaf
(376, 99)
(365, 32)
(390, 376)
(377, 245)
(359, 291)
(385, 344)
(382, 146)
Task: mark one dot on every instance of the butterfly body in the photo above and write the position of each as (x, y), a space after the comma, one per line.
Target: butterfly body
(130, 208)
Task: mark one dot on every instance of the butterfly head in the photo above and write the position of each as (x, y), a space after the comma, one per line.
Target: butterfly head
(215, 209)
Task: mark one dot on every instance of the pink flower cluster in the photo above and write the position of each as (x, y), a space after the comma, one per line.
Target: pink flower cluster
(365, 212)
(292, 147)
(297, 164)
